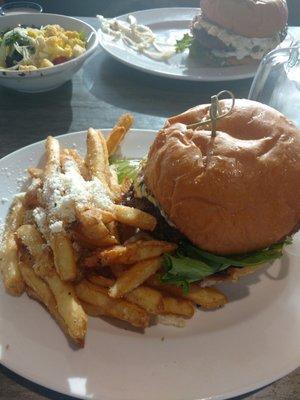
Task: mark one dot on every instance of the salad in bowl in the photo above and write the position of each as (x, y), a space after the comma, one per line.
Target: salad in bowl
(29, 48)
(39, 52)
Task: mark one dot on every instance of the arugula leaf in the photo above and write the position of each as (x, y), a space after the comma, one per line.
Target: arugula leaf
(126, 168)
(16, 37)
(191, 264)
(184, 43)
(82, 36)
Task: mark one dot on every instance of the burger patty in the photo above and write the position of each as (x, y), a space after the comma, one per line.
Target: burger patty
(163, 231)
(207, 40)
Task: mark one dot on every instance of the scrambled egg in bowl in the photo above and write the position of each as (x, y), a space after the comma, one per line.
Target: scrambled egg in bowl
(28, 49)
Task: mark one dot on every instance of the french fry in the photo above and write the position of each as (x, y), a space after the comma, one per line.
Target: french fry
(149, 299)
(97, 158)
(9, 264)
(118, 132)
(134, 217)
(114, 139)
(178, 306)
(80, 235)
(100, 280)
(118, 270)
(35, 172)
(73, 153)
(40, 291)
(120, 309)
(207, 298)
(31, 196)
(68, 306)
(126, 120)
(135, 252)
(63, 254)
(92, 225)
(52, 156)
(134, 277)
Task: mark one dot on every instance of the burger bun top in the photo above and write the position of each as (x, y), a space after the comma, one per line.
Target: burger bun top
(235, 193)
(250, 18)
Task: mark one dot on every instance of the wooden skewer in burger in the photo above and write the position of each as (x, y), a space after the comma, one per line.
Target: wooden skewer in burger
(224, 179)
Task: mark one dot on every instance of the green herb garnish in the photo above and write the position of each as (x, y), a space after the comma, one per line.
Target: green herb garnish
(184, 43)
(16, 37)
(126, 168)
(191, 264)
(82, 36)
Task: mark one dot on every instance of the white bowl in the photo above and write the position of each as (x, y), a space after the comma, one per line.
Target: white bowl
(45, 79)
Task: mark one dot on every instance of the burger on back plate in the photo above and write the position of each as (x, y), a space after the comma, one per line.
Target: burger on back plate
(229, 197)
(237, 31)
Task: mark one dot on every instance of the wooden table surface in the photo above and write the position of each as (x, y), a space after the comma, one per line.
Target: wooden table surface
(96, 96)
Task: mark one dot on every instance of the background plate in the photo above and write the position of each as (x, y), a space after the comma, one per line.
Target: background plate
(247, 344)
(170, 24)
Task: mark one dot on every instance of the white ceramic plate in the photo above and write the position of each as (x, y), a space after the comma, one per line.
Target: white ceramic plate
(251, 342)
(170, 24)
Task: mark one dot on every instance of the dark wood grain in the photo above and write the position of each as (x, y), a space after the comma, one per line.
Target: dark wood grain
(95, 97)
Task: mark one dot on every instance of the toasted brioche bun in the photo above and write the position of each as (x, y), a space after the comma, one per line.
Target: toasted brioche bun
(251, 18)
(246, 195)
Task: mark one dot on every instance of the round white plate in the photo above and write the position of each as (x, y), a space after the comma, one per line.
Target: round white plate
(249, 343)
(170, 24)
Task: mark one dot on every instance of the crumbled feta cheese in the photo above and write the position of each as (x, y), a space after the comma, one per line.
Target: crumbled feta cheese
(63, 191)
(56, 227)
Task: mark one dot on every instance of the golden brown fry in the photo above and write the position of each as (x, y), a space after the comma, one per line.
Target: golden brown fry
(73, 153)
(63, 254)
(178, 306)
(118, 132)
(92, 225)
(9, 264)
(134, 217)
(118, 270)
(35, 172)
(126, 120)
(31, 238)
(52, 156)
(40, 291)
(149, 299)
(31, 199)
(100, 280)
(68, 306)
(120, 309)
(132, 253)
(91, 243)
(134, 277)
(207, 298)
(115, 138)
(97, 158)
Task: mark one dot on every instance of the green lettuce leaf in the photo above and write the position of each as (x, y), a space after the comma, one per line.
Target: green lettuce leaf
(191, 264)
(126, 168)
(184, 43)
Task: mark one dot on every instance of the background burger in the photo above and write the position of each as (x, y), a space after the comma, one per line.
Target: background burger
(231, 200)
(237, 31)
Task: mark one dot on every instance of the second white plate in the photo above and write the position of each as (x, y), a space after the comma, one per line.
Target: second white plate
(170, 24)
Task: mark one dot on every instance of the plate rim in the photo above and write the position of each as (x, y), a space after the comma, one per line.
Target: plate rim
(191, 78)
(45, 383)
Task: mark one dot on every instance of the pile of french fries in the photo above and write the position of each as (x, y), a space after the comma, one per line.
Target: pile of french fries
(101, 263)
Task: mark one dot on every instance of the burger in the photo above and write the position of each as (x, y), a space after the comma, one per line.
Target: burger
(229, 198)
(237, 31)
